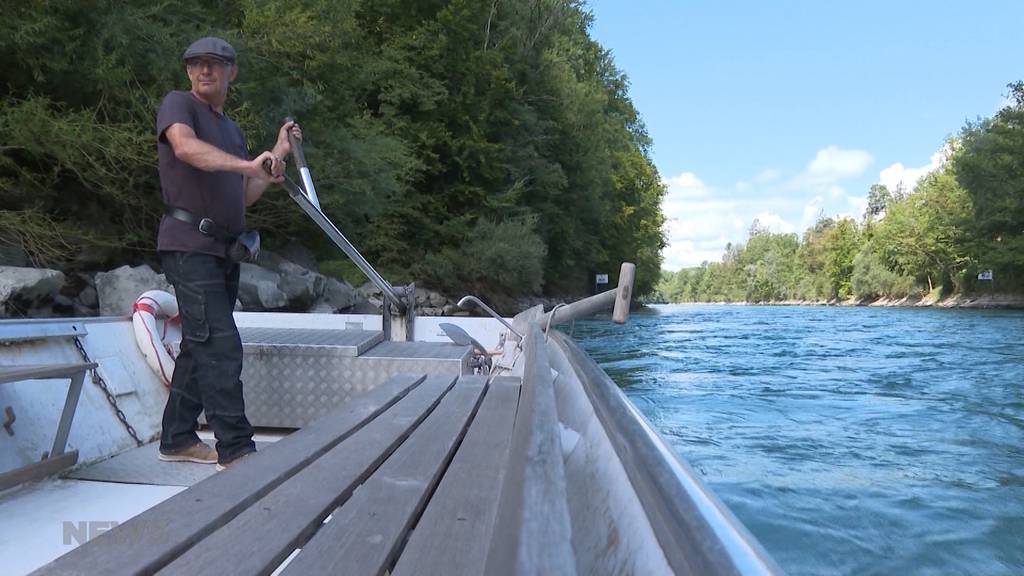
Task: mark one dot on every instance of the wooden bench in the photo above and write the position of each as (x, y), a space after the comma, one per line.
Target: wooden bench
(56, 459)
(381, 483)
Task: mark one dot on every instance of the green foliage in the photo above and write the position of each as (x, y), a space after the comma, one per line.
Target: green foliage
(499, 257)
(840, 243)
(425, 123)
(990, 167)
(879, 198)
(873, 279)
(342, 269)
(925, 235)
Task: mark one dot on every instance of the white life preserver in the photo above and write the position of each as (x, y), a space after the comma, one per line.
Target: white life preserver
(157, 331)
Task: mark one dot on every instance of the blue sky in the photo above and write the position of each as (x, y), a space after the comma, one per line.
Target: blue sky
(781, 110)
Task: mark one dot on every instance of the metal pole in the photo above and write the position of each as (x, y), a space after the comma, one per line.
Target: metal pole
(300, 163)
(339, 239)
(68, 414)
(307, 200)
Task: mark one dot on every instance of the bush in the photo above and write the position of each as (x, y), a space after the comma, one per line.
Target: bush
(504, 257)
(873, 279)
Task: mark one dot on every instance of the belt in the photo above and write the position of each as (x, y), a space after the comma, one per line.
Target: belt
(206, 226)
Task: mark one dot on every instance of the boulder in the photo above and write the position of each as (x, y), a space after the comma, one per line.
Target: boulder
(337, 296)
(23, 289)
(82, 311)
(368, 290)
(117, 289)
(299, 254)
(436, 300)
(322, 307)
(301, 286)
(88, 297)
(363, 306)
(422, 296)
(258, 288)
(63, 306)
(450, 310)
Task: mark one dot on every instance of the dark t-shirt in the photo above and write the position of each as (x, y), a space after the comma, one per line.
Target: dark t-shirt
(219, 196)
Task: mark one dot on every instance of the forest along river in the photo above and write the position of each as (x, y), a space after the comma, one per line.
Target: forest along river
(848, 440)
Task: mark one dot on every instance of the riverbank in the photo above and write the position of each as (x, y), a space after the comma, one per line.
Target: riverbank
(955, 301)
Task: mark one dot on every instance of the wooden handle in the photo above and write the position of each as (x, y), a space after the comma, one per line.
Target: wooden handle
(624, 294)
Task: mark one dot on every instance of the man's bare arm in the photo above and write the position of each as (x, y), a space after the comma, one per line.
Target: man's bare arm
(254, 188)
(190, 149)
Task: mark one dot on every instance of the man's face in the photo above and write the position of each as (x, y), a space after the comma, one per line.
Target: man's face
(210, 77)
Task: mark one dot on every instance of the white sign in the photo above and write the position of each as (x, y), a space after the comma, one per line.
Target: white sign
(985, 275)
(601, 279)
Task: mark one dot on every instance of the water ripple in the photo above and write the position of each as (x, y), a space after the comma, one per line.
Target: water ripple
(849, 440)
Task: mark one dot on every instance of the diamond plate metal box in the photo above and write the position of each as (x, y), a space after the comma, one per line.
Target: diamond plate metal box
(291, 377)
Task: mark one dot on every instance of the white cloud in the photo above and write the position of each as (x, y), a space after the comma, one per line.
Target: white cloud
(686, 185)
(699, 222)
(834, 163)
(858, 205)
(827, 170)
(811, 211)
(774, 222)
(763, 177)
(702, 218)
(896, 174)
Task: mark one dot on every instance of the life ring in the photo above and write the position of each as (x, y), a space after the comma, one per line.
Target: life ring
(157, 331)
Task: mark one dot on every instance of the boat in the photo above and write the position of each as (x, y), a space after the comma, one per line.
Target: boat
(387, 444)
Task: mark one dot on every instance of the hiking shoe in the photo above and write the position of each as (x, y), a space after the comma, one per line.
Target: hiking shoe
(200, 453)
(221, 466)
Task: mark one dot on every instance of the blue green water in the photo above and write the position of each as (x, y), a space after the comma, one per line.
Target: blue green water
(848, 440)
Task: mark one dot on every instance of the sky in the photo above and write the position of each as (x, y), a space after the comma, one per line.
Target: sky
(786, 110)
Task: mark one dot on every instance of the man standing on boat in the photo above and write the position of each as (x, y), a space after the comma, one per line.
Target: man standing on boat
(207, 180)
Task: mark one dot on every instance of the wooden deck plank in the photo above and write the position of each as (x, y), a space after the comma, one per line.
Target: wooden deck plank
(262, 536)
(150, 540)
(533, 531)
(454, 532)
(365, 533)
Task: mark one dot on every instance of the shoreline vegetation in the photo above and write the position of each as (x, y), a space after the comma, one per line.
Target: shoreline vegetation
(953, 238)
(481, 147)
(987, 301)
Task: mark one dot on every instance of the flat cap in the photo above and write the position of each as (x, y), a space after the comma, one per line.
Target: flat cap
(211, 46)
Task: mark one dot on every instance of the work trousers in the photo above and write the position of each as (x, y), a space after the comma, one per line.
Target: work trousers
(208, 369)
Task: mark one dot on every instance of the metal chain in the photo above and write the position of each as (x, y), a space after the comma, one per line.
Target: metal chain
(99, 381)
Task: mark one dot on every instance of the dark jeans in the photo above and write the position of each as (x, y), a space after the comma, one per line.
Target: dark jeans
(207, 371)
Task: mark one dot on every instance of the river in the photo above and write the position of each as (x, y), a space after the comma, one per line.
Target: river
(848, 440)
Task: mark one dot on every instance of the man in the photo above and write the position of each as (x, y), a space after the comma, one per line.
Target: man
(207, 180)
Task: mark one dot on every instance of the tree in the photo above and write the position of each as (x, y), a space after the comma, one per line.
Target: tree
(878, 199)
(925, 235)
(427, 122)
(990, 166)
(840, 244)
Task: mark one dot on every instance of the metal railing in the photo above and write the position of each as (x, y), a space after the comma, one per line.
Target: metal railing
(469, 299)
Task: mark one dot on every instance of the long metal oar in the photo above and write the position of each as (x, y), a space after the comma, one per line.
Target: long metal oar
(300, 163)
(306, 198)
